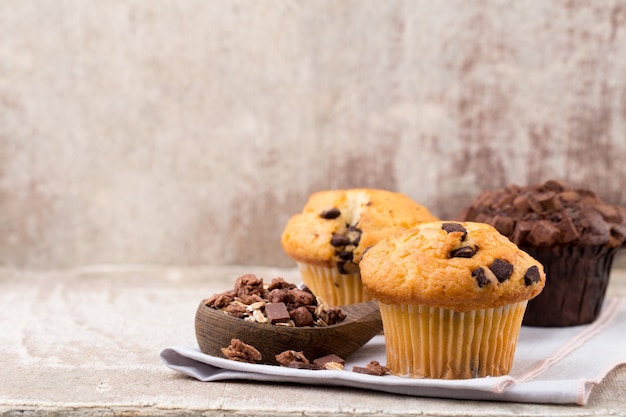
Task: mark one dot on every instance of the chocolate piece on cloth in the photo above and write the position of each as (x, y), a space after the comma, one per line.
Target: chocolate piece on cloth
(329, 358)
(287, 357)
(302, 365)
(372, 368)
(241, 352)
(552, 365)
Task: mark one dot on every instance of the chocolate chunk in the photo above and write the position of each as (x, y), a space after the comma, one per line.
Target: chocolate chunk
(329, 358)
(339, 240)
(534, 204)
(372, 368)
(289, 356)
(362, 370)
(347, 267)
(454, 227)
(298, 297)
(248, 284)
(549, 201)
(554, 185)
(302, 365)
(278, 295)
(280, 283)
(377, 368)
(588, 196)
(354, 235)
(521, 204)
(512, 188)
(330, 214)
(249, 298)
(481, 218)
(501, 269)
(345, 255)
(504, 201)
(468, 212)
(532, 276)
(304, 287)
(346, 244)
(333, 315)
(543, 233)
(618, 235)
(610, 213)
(484, 199)
(277, 313)
(236, 310)
(504, 225)
(220, 300)
(462, 252)
(521, 232)
(241, 352)
(480, 277)
(593, 223)
(301, 317)
(569, 233)
(569, 196)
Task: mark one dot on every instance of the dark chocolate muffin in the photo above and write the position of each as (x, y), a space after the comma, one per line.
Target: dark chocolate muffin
(572, 232)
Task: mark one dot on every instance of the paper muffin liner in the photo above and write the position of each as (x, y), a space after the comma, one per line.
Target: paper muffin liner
(432, 342)
(334, 288)
(576, 282)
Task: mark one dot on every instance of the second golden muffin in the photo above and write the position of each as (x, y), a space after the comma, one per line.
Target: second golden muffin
(452, 297)
(328, 238)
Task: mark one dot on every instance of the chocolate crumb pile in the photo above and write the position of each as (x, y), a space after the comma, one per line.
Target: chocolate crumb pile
(549, 214)
(279, 303)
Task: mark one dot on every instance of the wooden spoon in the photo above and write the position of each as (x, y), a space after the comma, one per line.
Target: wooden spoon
(215, 329)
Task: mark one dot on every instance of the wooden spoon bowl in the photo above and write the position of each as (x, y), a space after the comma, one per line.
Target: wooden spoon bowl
(215, 329)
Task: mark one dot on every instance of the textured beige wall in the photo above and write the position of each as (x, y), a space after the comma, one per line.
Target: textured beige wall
(187, 132)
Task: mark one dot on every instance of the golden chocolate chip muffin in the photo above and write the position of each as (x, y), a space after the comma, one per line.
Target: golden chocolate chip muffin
(452, 297)
(328, 238)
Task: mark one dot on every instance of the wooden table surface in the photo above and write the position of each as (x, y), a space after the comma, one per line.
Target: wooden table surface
(86, 341)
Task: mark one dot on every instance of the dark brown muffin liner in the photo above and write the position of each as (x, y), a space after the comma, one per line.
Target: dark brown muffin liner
(576, 282)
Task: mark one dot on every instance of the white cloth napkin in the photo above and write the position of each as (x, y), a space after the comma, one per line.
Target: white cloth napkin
(551, 365)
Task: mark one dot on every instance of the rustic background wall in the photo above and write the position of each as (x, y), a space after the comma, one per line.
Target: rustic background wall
(188, 132)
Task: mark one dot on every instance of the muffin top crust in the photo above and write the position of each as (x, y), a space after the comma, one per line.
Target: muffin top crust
(335, 227)
(550, 214)
(457, 265)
